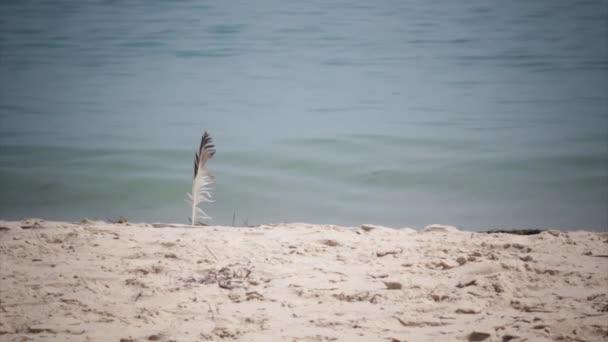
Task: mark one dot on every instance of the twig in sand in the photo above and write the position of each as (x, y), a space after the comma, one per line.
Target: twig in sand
(210, 252)
(138, 296)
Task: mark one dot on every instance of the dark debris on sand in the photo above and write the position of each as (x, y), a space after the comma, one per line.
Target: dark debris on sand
(514, 231)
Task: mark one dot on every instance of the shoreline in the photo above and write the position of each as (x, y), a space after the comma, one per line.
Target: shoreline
(435, 226)
(304, 282)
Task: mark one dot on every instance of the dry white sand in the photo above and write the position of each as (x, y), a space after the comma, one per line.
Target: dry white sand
(95, 281)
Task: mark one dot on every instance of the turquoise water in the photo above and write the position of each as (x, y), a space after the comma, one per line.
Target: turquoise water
(481, 114)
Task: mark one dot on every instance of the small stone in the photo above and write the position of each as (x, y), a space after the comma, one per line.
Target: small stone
(498, 288)
(465, 283)
(330, 243)
(446, 265)
(478, 336)
(461, 260)
(368, 227)
(393, 285)
(384, 253)
(467, 311)
(507, 338)
(439, 298)
(526, 258)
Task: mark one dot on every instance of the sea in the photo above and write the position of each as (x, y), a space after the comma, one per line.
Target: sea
(481, 114)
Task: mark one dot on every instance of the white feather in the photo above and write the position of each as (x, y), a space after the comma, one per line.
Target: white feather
(201, 185)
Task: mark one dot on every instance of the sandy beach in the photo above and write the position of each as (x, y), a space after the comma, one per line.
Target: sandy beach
(98, 281)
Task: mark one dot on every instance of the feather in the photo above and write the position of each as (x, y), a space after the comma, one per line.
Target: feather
(201, 190)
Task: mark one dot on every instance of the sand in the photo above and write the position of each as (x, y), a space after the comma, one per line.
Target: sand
(98, 281)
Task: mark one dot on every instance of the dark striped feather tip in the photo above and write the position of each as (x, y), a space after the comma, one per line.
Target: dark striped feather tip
(205, 152)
